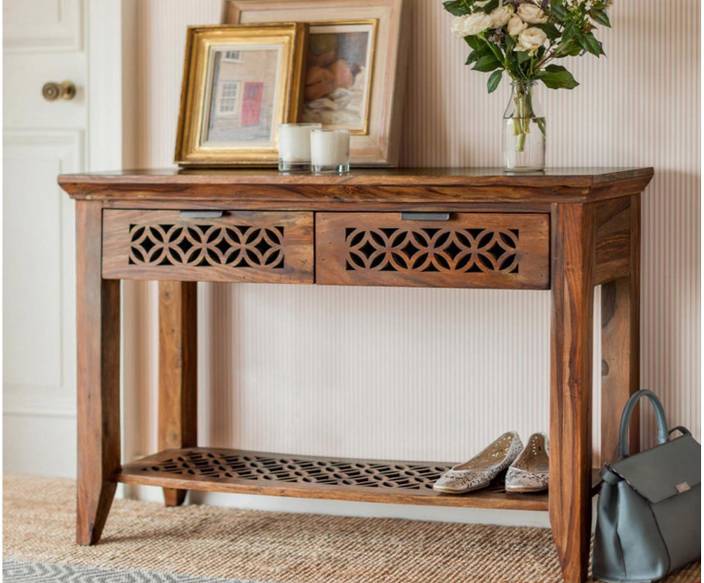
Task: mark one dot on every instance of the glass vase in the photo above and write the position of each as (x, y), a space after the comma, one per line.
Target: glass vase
(523, 139)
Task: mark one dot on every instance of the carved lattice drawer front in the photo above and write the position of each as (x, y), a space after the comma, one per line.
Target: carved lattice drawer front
(484, 250)
(238, 246)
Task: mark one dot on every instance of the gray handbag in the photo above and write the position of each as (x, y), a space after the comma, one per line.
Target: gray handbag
(648, 518)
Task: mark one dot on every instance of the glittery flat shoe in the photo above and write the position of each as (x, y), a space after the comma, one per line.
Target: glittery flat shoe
(529, 473)
(478, 472)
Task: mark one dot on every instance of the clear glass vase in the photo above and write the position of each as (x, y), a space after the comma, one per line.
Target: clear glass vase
(523, 139)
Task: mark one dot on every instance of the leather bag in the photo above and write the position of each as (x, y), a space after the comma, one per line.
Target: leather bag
(648, 517)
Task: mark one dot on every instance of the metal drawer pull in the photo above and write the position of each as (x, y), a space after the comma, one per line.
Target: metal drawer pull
(202, 214)
(413, 216)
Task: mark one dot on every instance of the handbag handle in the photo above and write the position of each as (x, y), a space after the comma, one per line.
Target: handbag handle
(626, 420)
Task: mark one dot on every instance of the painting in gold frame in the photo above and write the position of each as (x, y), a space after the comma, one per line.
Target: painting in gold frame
(239, 84)
(377, 141)
(339, 74)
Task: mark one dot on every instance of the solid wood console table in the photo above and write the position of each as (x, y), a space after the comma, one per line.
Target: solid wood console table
(564, 231)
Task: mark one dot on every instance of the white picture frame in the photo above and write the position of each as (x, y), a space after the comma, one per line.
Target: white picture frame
(377, 143)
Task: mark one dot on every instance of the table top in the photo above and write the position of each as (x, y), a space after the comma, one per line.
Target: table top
(467, 184)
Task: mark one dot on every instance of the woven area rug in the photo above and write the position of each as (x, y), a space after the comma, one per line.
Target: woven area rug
(147, 542)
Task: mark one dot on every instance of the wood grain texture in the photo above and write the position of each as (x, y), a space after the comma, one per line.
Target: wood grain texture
(178, 371)
(482, 250)
(570, 387)
(98, 383)
(244, 246)
(209, 469)
(620, 343)
(612, 253)
(360, 186)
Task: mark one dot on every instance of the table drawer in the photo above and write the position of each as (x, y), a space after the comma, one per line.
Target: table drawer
(483, 250)
(244, 246)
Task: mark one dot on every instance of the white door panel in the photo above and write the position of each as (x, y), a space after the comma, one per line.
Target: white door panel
(38, 271)
(24, 77)
(43, 25)
(43, 41)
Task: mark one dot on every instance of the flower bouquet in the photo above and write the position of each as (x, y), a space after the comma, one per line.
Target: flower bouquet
(524, 38)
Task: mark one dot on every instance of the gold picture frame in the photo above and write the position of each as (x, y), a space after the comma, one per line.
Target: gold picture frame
(377, 142)
(239, 84)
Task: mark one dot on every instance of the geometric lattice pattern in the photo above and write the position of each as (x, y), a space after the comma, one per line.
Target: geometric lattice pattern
(432, 250)
(221, 465)
(207, 245)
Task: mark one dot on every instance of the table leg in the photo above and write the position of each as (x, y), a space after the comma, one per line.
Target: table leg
(570, 393)
(177, 371)
(620, 345)
(98, 410)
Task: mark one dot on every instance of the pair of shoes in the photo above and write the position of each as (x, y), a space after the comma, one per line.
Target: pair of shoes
(527, 467)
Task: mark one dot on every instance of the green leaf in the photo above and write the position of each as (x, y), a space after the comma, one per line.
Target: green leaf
(510, 43)
(491, 5)
(494, 80)
(473, 56)
(601, 17)
(475, 42)
(486, 63)
(457, 7)
(590, 44)
(557, 77)
(569, 48)
(522, 57)
(549, 29)
(558, 9)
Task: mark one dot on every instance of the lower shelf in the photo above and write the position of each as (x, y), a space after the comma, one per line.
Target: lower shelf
(243, 472)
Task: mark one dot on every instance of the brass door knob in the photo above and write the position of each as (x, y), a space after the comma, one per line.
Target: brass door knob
(52, 91)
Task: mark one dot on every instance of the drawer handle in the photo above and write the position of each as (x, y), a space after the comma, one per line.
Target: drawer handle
(419, 216)
(202, 214)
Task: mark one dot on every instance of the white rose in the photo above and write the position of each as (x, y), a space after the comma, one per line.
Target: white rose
(501, 15)
(516, 26)
(531, 13)
(530, 40)
(471, 24)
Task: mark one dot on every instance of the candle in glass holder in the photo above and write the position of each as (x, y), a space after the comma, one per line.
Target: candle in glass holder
(294, 146)
(330, 151)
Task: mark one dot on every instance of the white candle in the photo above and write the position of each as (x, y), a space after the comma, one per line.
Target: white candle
(294, 146)
(330, 151)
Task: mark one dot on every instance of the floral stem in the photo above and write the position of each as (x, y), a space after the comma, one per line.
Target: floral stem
(522, 116)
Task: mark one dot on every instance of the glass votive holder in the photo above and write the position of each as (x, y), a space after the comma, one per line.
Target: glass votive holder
(294, 146)
(330, 151)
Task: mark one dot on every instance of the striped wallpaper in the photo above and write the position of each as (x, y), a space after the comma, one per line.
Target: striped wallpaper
(436, 374)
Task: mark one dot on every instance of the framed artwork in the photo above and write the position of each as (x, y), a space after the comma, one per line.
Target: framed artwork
(239, 84)
(355, 67)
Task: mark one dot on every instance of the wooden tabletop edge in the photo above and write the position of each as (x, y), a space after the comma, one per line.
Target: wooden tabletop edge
(80, 185)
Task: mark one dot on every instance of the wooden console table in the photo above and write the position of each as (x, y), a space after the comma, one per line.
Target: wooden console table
(564, 231)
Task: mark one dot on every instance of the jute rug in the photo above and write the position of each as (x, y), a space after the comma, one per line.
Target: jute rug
(147, 542)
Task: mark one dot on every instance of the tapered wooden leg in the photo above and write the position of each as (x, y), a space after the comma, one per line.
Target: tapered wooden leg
(98, 410)
(570, 393)
(620, 346)
(177, 371)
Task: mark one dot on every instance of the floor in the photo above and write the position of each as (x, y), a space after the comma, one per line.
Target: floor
(147, 542)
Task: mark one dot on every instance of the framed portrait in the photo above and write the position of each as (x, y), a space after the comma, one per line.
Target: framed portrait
(239, 84)
(355, 67)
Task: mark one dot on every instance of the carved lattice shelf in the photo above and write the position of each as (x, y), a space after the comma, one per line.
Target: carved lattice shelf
(229, 470)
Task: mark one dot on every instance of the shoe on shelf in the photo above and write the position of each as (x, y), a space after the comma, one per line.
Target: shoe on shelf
(478, 472)
(529, 473)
